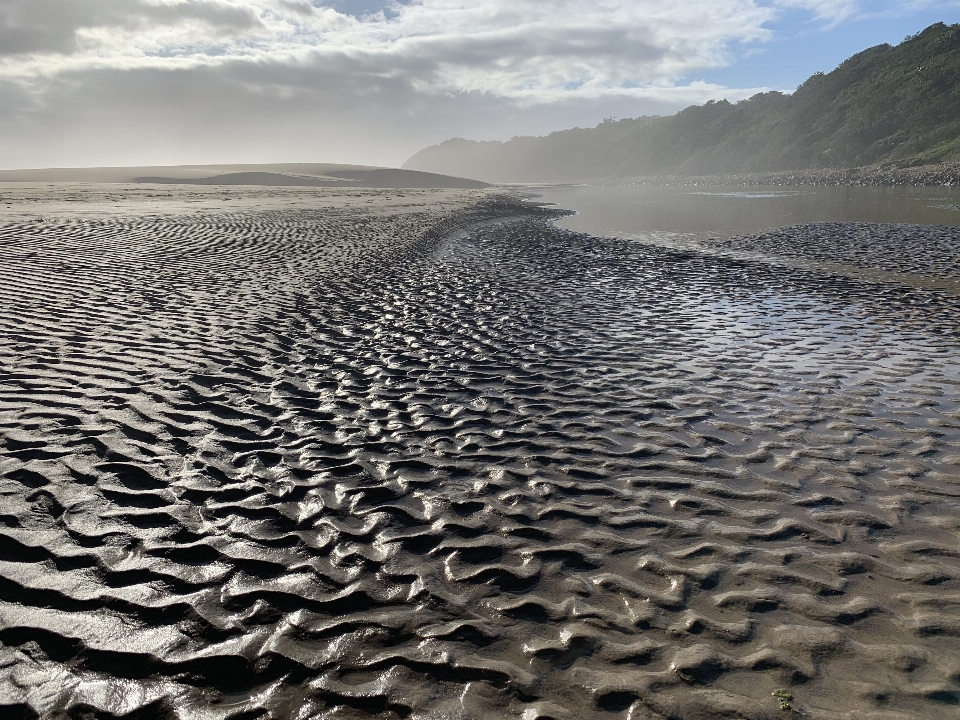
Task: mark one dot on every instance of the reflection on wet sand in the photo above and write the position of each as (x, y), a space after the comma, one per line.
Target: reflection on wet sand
(457, 462)
(914, 255)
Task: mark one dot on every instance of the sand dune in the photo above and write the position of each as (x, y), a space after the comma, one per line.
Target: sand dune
(278, 174)
(434, 457)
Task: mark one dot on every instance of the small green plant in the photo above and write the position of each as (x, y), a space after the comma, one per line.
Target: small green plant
(784, 697)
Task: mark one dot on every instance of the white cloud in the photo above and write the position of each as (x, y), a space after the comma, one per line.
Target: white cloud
(881, 9)
(831, 12)
(536, 50)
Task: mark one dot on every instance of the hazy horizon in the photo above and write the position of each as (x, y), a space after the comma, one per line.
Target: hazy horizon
(105, 83)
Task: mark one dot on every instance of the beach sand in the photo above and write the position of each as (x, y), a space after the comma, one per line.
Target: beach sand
(304, 453)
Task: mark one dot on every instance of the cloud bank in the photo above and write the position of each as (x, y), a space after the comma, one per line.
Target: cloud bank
(174, 69)
(538, 50)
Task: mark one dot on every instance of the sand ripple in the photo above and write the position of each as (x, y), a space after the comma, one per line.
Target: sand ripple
(333, 464)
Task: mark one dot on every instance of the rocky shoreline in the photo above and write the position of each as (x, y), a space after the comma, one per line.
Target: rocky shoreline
(947, 174)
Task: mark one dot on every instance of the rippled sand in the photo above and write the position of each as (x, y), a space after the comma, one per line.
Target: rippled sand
(444, 460)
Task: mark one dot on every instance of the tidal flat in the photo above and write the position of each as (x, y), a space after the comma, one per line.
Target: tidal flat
(290, 453)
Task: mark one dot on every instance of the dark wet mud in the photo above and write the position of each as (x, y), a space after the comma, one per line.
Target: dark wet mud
(328, 464)
(922, 250)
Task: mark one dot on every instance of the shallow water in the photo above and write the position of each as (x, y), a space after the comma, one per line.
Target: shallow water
(677, 213)
(334, 464)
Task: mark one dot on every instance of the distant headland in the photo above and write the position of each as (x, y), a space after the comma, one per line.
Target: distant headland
(888, 115)
(326, 175)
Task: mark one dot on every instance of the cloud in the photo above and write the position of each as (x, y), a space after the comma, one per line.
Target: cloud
(830, 12)
(166, 81)
(81, 27)
(537, 50)
(880, 9)
(529, 50)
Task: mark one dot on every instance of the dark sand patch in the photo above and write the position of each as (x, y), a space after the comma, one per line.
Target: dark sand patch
(919, 250)
(431, 462)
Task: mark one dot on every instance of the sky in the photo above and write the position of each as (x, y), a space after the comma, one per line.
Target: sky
(168, 82)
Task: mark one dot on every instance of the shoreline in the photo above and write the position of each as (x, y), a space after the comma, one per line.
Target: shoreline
(887, 174)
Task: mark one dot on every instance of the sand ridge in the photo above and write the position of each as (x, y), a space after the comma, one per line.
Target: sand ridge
(70, 202)
(915, 255)
(451, 461)
(271, 174)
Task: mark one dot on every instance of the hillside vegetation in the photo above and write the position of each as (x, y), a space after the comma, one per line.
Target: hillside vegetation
(887, 104)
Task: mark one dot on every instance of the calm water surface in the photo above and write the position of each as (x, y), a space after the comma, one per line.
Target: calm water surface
(702, 212)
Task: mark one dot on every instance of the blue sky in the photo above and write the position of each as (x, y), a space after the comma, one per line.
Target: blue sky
(359, 8)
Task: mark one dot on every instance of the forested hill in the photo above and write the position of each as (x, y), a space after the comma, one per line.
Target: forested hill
(889, 103)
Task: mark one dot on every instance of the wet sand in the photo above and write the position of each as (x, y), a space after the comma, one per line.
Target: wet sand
(434, 457)
(880, 175)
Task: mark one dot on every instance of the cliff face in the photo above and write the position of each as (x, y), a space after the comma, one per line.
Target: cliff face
(888, 103)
